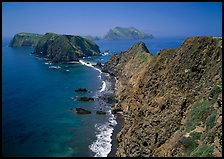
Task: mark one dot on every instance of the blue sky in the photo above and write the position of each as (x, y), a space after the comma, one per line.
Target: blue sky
(162, 19)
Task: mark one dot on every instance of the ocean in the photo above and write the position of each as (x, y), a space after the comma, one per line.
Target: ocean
(37, 98)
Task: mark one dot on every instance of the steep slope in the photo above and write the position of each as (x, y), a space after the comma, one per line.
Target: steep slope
(64, 48)
(119, 33)
(172, 102)
(25, 39)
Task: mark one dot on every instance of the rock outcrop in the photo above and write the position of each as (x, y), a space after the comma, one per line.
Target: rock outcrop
(119, 33)
(64, 48)
(25, 39)
(172, 102)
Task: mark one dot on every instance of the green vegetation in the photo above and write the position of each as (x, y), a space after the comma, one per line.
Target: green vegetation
(204, 150)
(25, 39)
(189, 143)
(210, 121)
(62, 48)
(216, 90)
(200, 111)
(144, 57)
(202, 114)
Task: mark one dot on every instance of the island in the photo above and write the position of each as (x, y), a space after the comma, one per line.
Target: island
(120, 33)
(25, 39)
(59, 48)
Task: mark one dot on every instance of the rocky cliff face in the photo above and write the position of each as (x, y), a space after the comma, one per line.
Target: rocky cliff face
(64, 48)
(172, 102)
(25, 39)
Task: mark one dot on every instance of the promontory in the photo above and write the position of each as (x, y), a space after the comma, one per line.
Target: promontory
(171, 102)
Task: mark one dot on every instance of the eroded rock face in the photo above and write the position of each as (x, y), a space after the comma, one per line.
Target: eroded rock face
(159, 95)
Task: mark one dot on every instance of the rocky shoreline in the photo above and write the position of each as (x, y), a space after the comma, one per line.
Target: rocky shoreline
(171, 103)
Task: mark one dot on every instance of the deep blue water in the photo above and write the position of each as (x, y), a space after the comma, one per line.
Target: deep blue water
(36, 102)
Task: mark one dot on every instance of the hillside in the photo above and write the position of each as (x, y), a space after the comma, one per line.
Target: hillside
(119, 33)
(64, 48)
(25, 39)
(171, 102)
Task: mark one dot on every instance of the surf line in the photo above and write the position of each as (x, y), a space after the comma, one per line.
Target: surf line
(88, 64)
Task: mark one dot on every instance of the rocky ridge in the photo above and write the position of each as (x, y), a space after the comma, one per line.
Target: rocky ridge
(171, 102)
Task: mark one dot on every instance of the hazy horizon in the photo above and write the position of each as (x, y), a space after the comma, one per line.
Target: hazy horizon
(161, 19)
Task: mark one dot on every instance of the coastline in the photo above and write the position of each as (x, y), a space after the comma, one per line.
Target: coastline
(119, 117)
(117, 129)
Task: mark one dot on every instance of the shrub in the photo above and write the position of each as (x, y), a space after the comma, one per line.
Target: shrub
(205, 150)
(189, 143)
(210, 121)
(200, 111)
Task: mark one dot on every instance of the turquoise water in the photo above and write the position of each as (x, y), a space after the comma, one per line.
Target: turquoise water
(36, 102)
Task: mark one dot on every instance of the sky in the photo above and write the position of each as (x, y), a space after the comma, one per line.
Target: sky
(161, 19)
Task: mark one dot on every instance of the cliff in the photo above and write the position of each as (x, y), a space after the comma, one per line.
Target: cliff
(64, 48)
(172, 102)
(25, 39)
(119, 33)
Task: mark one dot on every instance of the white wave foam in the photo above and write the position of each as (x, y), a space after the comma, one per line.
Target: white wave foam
(102, 146)
(67, 70)
(73, 62)
(99, 76)
(56, 67)
(103, 86)
(105, 53)
(89, 65)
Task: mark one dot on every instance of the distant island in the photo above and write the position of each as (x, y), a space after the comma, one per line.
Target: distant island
(25, 39)
(131, 33)
(121, 33)
(57, 47)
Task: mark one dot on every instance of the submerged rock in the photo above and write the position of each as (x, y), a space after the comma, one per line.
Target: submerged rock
(100, 112)
(85, 99)
(82, 111)
(81, 90)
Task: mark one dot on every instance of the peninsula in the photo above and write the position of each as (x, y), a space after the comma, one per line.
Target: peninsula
(171, 102)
